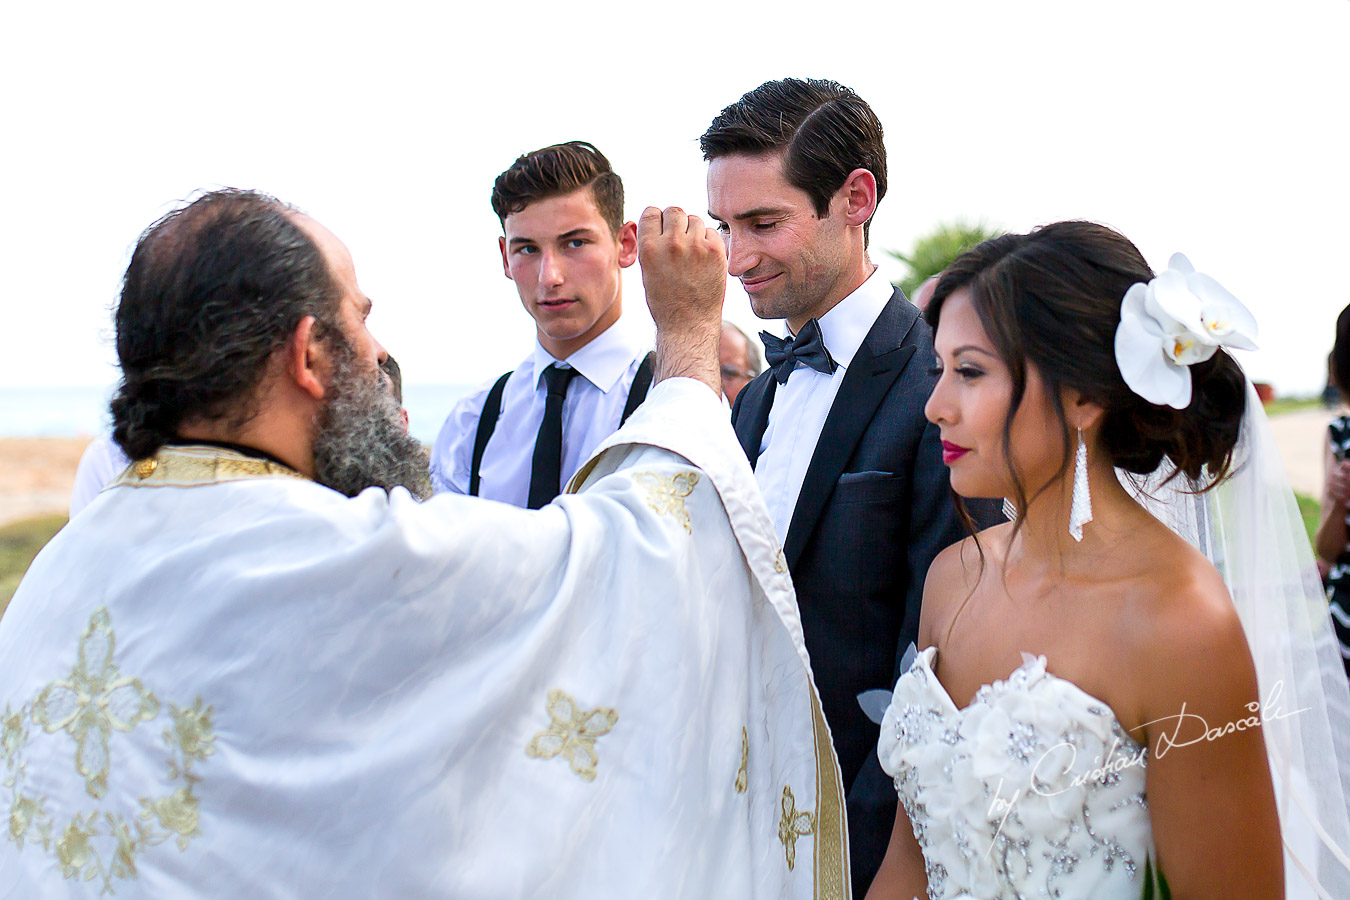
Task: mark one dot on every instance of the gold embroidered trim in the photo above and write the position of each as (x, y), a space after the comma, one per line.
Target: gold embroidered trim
(666, 493)
(572, 733)
(576, 481)
(92, 702)
(832, 865)
(780, 562)
(28, 817)
(195, 465)
(743, 773)
(792, 825)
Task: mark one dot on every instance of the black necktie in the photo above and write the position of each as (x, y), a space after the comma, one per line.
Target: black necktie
(808, 347)
(546, 467)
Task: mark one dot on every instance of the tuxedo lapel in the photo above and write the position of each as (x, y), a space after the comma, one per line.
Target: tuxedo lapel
(752, 414)
(875, 367)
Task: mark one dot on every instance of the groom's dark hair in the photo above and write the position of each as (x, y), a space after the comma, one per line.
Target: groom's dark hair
(824, 131)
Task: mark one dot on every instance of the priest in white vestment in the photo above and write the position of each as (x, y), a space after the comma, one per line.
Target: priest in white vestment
(226, 679)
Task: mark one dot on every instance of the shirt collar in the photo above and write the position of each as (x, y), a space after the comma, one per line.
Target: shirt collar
(602, 362)
(846, 325)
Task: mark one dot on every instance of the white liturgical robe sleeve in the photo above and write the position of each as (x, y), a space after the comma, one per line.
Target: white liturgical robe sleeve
(225, 680)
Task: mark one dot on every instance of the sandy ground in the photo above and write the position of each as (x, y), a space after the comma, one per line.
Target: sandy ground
(37, 474)
(1302, 439)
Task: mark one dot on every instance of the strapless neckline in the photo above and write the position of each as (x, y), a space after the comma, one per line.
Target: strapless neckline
(1030, 664)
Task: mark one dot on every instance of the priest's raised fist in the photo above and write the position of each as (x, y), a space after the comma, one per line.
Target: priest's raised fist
(684, 268)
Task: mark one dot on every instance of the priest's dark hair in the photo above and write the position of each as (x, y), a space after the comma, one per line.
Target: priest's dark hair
(555, 171)
(824, 130)
(1051, 300)
(212, 291)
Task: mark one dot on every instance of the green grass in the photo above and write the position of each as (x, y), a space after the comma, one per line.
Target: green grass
(1292, 404)
(1311, 511)
(19, 543)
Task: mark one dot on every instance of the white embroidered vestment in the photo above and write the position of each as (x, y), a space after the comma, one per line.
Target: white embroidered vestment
(222, 679)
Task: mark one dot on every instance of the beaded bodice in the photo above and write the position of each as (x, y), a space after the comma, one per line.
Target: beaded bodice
(1033, 790)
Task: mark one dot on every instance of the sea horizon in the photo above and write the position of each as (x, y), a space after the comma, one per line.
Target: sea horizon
(81, 411)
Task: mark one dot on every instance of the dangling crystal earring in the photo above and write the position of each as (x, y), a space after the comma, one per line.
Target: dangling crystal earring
(1081, 511)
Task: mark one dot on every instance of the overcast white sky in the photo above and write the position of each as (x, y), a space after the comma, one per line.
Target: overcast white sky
(1215, 128)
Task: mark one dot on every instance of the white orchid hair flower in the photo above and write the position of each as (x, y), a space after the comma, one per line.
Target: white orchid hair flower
(1180, 318)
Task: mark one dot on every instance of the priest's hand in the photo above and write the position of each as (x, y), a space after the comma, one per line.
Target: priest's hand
(684, 272)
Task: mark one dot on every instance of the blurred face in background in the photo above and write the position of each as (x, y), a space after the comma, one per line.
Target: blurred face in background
(735, 359)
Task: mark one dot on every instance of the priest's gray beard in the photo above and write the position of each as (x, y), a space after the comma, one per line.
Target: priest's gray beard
(359, 440)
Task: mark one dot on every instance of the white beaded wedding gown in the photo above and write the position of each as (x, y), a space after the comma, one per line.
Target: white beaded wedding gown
(1033, 790)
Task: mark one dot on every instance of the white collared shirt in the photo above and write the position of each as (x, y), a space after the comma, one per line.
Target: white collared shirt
(591, 413)
(101, 462)
(801, 405)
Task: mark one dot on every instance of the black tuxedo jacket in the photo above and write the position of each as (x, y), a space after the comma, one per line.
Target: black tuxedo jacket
(874, 510)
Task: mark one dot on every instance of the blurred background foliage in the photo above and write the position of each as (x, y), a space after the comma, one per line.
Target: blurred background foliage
(936, 250)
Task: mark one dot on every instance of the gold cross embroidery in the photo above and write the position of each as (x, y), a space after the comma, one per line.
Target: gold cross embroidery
(92, 701)
(793, 825)
(572, 733)
(666, 493)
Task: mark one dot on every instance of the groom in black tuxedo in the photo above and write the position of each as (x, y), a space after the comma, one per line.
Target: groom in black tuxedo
(850, 469)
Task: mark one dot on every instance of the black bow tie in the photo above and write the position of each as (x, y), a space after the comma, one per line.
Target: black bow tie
(808, 348)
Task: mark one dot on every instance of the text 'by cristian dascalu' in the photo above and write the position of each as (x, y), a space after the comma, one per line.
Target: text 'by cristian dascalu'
(1112, 763)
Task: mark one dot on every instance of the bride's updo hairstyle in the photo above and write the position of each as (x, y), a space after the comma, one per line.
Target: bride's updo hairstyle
(1051, 300)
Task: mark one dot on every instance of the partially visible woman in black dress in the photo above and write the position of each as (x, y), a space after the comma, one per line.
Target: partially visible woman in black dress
(1333, 536)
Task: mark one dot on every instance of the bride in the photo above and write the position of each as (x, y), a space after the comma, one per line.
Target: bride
(1086, 718)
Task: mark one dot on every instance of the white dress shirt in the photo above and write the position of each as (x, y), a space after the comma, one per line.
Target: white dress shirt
(591, 413)
(801, 405)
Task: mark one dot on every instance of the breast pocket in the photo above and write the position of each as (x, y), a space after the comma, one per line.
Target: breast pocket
(868, 487)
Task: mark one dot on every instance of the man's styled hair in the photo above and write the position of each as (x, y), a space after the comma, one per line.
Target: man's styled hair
(823, 129)
(555, 171)
(212, 291)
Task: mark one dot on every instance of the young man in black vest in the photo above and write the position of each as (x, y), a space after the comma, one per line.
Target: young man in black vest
(564, 242)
